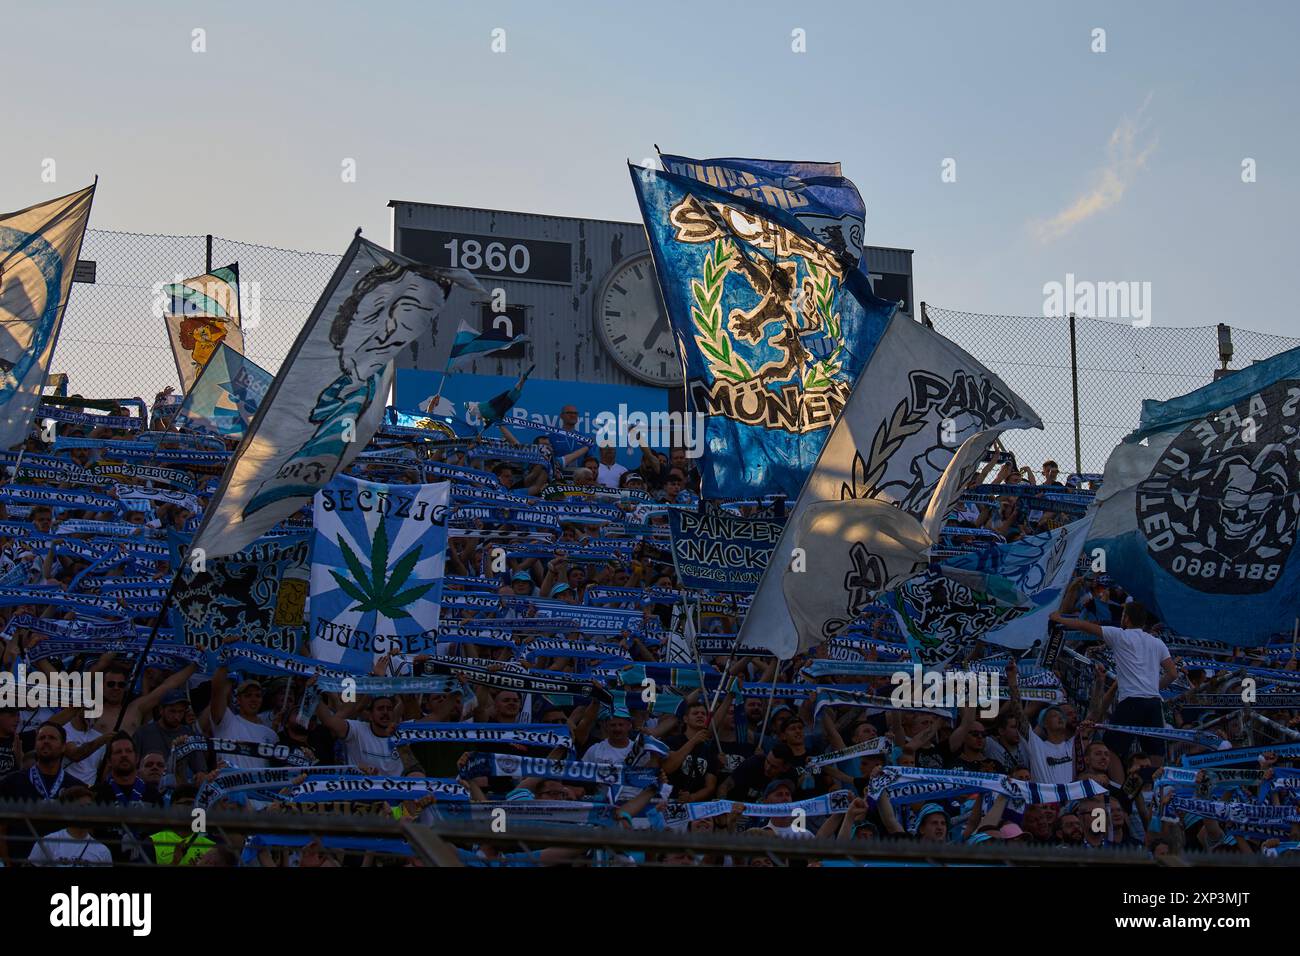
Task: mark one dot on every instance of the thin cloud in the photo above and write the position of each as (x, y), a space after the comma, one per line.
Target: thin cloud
(1126, 156)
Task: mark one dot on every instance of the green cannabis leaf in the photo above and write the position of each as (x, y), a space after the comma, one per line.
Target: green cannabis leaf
(380, 590)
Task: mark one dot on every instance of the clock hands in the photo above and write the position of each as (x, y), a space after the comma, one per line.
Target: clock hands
(656, 330)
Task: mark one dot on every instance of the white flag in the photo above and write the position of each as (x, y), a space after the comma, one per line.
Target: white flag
(39, 246)
(328, 398)
(918, 401)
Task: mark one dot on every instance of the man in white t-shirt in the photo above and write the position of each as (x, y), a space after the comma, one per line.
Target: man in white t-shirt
(73, 845)
(616, 745)
(367, 741)
(240, 722)
(1143, 668)
(1050, 745)
(610, 472)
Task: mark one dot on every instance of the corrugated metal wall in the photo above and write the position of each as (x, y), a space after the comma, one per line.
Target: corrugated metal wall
(564, 343)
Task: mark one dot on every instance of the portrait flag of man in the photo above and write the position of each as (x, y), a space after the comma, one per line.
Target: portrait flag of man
(1200, 506)
(329, 396)
(39, 246)
(922, 406)
(202, 313)
(773, 318)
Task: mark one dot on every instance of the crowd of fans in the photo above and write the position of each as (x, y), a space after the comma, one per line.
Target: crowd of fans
(741, 728)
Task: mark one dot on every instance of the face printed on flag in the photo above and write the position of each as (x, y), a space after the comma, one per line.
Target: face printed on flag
(327, 400)
(395, 305)
(377, 569)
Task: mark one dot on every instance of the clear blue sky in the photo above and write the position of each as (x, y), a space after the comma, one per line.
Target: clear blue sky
(1143, 142)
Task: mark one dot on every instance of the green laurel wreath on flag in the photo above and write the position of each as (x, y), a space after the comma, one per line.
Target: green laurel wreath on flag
(823, 371)
(706, 313)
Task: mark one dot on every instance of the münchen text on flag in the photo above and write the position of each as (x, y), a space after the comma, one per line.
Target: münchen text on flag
(773, 326)
(922, 406)
(1200, 507)
(470, 342)
(378, 555)
(818, 195)
(39, 246)
(329, 396)
(202, 313)
(225, 397)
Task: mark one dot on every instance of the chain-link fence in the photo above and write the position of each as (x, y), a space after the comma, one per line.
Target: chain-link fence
(1119, 365)
(113, 342)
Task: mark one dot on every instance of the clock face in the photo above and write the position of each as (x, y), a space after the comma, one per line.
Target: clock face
(633, 323)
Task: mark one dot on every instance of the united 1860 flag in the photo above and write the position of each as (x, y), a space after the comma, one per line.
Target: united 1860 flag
(1200, 506)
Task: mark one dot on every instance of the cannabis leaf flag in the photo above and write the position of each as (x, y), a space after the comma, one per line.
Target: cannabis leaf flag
(376, 574)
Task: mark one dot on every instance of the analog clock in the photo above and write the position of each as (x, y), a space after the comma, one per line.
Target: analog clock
(633, 323)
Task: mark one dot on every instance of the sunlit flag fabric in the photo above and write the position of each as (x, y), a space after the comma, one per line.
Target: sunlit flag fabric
(1039, 566)
(225, 397)
(201, 314)
(377, 568)
(470, 342)
(39, 246)
(1200, 506)
(920, 400)
(328, 398)
(773, 325)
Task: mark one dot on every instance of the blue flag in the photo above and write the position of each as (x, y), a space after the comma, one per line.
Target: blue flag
(773, 324)
(824, 202)
(225, 396)
(1200, 522)
(469, 342)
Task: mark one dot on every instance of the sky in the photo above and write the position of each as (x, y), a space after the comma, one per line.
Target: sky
(1115, 165)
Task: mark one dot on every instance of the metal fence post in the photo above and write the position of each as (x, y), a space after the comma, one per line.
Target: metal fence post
(1074, 375)
(208, 269)
(925, 317)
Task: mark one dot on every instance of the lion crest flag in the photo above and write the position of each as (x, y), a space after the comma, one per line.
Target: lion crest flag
(1200, 506)
(39, 246)
(202, 314)
(377, 561)
(773, 318)
(329, 397)
(921, 400)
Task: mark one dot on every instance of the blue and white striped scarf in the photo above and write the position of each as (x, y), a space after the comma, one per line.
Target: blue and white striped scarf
(963, 781)
(1246, 815)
